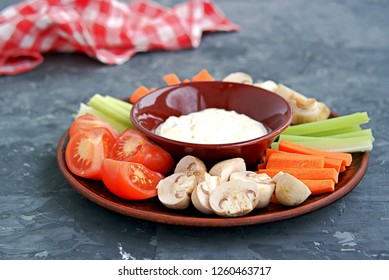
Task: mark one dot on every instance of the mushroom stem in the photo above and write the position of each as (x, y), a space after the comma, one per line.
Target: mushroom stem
(263, 182)
(200, 195)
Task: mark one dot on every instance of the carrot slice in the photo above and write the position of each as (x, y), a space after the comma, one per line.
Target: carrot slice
(202, 76)
(186, 80)
(280, 160)
(288, 146)
(305, 173)
(138, 94)
(320, 186)
(171, 79)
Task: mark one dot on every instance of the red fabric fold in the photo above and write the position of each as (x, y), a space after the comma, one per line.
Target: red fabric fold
(110, 31)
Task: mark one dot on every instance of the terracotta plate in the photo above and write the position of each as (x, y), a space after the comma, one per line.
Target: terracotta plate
(153, 210)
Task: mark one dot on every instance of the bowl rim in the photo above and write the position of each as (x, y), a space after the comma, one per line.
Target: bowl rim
(270, 135)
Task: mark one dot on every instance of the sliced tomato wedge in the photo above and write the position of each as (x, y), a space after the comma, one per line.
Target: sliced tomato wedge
(133, 146)
(86, 150)
(88, 121)
(129, 180)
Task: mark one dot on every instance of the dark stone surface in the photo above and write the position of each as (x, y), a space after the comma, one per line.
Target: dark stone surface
(336, 51)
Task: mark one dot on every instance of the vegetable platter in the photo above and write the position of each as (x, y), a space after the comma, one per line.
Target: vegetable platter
(104, 158)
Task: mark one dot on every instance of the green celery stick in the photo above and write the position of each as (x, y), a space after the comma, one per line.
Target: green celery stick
(125, 105)
(349, 135)
(364, 132)
(328, 124)
(111, 110)
(84, 109)
(274, 145)
(352, 128)
(347, 145)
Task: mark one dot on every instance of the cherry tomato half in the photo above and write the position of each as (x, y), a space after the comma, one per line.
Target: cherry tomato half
(86, 150)
(88, 121)
(129, 180)
(134, 146)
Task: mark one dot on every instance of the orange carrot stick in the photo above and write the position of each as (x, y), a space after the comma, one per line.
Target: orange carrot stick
(138, 94)
(320, 186)
(280, 160)
(171, 79)
(269, 152)
(288, 146)
(328, 162)
(333, 163)
(305, 173)
(202, 76)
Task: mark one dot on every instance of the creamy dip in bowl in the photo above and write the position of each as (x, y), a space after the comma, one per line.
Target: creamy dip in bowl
(211, 126)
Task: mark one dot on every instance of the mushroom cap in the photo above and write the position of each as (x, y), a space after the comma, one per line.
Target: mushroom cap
(175, 190)
(239, 77)
(309, 111)
(191, 165)
(277, 177)
(268, 85)
(290, 191)
(234, 198)
(261, 178)
(304, 109)
(226, 167)
(201, 193)
(263, 182)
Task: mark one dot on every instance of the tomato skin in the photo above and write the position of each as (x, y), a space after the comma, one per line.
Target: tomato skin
(134, 146)
(129, 180)
(86, 150)
(88, 121)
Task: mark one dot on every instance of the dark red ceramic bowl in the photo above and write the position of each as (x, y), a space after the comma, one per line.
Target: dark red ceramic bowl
(264, 106)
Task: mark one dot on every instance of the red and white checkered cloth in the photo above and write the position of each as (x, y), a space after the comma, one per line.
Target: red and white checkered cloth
(111, 31)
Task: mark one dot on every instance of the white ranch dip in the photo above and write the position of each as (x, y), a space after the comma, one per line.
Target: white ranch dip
(211, 126)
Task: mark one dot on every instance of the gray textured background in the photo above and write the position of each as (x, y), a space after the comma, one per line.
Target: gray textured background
(334, 50)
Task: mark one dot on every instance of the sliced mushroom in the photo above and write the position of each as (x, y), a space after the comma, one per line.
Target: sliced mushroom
(239, 77)
(277, 177)
(290, 191)
(304, 109)
(226, 167)
(234, 198)
(191, 165)
(268, 85)
(200, 195)
(264, 184)
(175, 190)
